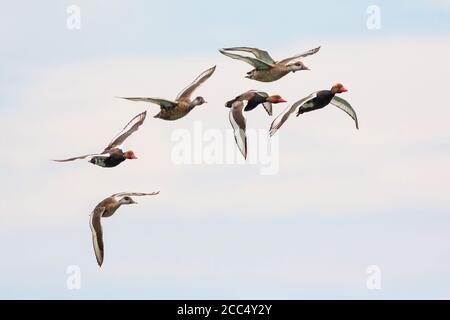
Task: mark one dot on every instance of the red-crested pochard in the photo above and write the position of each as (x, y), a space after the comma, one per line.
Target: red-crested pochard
(314, 101)
(246, 102)
(113, 155)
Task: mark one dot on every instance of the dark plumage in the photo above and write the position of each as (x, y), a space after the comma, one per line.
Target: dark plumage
(246, 102)
(314, 101)
(113, 155)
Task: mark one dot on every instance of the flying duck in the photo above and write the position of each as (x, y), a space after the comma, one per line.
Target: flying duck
(105, 209)
(113, 155)
(314, 101)
(266, 68)
(173, 110)
(246, 102)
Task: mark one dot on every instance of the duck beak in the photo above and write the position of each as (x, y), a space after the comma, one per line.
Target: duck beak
(282, 100)
(344, 90)
(133, 157)
(134, 202)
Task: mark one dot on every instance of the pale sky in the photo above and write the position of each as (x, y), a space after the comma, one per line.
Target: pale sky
(341, 200)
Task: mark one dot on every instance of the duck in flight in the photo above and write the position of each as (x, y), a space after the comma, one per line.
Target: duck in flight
(113, 155)
(314, 101)
(266, 69)
(105, 209)
(246, 102)
(182, 105)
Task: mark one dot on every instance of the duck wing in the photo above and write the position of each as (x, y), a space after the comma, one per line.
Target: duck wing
(76, 158)
(187, 92)
(346, 107)
(129, 129)
(161, 102)
(267, 105)
(298, 56)
(258, 53)
(134, 194)
(256, 63)
(239, 123)
(97, 233)
(278, 122)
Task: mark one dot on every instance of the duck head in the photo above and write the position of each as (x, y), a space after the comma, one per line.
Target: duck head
(338, 88)
(198, 101)
(129, 155)
(127, 200)
(275, 99)
(297, 66)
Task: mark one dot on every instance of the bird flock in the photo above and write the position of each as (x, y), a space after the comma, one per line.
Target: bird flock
(266, 69)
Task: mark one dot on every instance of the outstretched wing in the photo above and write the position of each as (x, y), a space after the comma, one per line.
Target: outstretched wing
(278, 122)
(97, 233)
(300, 55)
(268, 107)
(131, 127)
(75, 158)
(238, 123)
(256, 63)
(258, 53)
(346, 107)
(161, 102)
(133, 194)
(187, 92)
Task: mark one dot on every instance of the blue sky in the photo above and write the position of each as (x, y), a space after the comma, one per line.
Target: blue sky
(341, 201)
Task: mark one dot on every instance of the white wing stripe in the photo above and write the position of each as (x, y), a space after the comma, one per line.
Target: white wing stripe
(97, 249)
(278, 122)
(239, 134)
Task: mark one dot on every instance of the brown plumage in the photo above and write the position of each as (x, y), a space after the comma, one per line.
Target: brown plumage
(106, 208)
(173, 110)
(266, 68)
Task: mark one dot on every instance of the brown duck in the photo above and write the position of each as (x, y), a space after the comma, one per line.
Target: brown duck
(105, 209)
(173, 110)
(266, 68)
(113, 155)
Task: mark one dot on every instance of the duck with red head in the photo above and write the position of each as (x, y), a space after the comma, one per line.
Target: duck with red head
(129, 155)
(113, 155)
(316, 100)
(246, 102)
(274, 99)
(338, 88)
